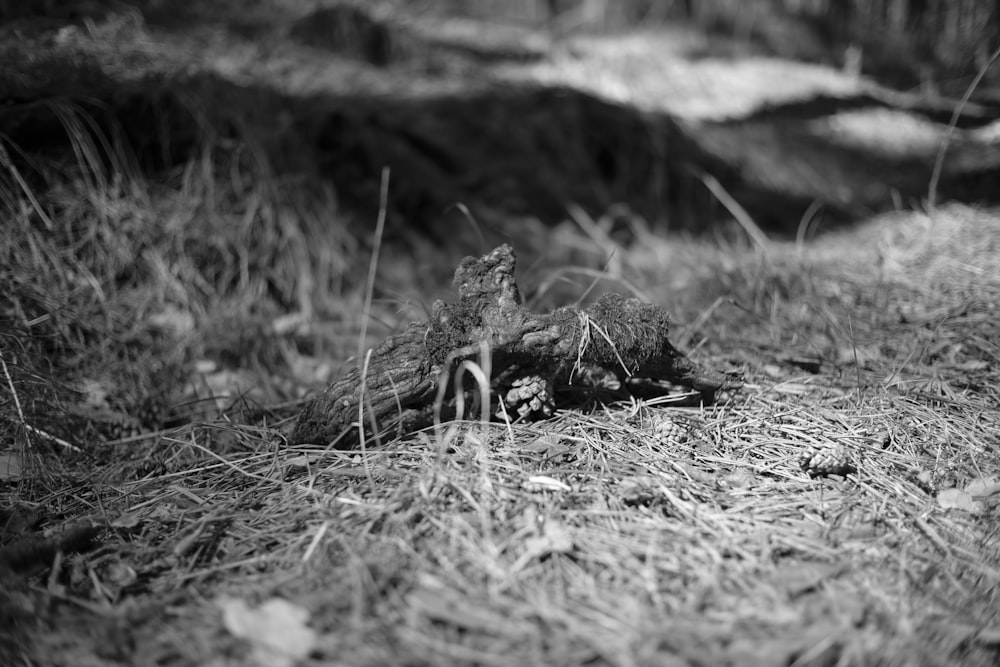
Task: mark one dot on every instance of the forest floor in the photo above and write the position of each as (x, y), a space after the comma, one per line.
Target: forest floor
(165, 316)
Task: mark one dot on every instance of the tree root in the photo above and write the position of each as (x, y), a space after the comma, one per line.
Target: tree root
(408, 371)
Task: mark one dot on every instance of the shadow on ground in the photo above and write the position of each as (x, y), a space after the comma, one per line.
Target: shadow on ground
(393, 95)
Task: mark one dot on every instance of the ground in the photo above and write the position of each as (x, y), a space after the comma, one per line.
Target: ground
(184, 270)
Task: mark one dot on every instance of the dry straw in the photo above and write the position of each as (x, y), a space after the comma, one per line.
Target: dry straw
(632, 532)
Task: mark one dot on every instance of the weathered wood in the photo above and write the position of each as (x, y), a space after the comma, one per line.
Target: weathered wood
(399, 376)
(623, 336)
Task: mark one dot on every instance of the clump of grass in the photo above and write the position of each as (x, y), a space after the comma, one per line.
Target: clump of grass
(116, 282)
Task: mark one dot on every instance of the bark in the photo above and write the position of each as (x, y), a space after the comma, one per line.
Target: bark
(623, 336)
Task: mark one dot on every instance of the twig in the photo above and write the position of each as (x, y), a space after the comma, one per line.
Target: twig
(939, 161)
(373, 262)
(932, 535)
(857, 365)
(361, 420)
(13, 391)
(464, 210)
(20, 413)
(805, 222)
(48, 436)
(597, 279)
(315, 541)
(35, 205)
(369, 290)
(752, 229)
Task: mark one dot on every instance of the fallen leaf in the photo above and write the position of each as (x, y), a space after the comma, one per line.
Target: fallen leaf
(984, 486)
(548, 445)
(793, 388)
(959, 500)
(737, 479)
(301, 461)
(276, 630)
(10, 467)
(117, 574)
(555, 539)
(546, 482)
(638, 490)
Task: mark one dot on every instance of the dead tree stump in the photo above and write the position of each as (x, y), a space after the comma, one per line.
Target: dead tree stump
(624, 337)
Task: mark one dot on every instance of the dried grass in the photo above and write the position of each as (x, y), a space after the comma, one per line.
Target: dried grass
(633, 533)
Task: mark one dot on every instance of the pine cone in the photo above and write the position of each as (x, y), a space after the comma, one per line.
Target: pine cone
(835, 460)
